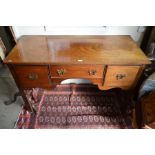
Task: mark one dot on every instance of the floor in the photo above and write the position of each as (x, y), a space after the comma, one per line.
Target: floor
(78, 107)
(8, 113)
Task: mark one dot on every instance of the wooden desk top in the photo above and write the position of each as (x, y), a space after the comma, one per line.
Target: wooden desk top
(76, 50)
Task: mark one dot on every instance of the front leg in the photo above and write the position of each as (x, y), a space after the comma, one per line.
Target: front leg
(27, 105)
(13, 100)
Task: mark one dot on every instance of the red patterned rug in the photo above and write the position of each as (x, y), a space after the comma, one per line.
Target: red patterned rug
(77, 106)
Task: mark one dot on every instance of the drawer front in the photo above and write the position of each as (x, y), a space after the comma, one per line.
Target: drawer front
(121, 76)
(32, 76)
(77, 71)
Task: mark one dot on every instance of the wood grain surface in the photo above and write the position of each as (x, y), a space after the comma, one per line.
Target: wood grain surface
(78, 71)
(32, 76)
(114, 79)
(70, 49)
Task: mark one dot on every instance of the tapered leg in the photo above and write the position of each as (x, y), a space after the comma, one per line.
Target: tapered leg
(139, 116)
(12, 100)
(27, 105)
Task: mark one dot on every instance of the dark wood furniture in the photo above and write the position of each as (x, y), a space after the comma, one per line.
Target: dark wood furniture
(107, 61)
(148, 110)
(6, 42)
(6, 39)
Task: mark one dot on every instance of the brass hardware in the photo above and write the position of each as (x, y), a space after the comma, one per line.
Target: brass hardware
(92, 72)
(33, 76)
(120, 76)
(61, 72)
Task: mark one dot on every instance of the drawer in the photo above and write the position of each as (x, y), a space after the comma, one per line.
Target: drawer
(77, 71)
(121, 76)
(32, 76)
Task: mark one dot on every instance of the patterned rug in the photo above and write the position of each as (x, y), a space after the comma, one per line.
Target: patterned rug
(77, 106)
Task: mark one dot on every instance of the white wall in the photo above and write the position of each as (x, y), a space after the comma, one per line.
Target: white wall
(136, 32)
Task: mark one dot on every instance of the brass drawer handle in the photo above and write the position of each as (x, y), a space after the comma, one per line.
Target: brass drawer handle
(33, 76)
(61, 72)
(92, 72)
(120, 76)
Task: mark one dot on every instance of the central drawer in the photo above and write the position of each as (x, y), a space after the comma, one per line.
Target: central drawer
(77, 71)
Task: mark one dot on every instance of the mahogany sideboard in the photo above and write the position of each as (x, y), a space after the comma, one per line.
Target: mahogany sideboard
(44, 61)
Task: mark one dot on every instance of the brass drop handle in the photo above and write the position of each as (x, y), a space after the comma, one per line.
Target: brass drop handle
(120, 76)
(33, 76)
(92, 72)
(61, 72)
